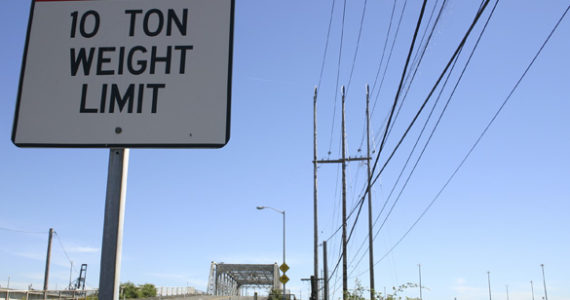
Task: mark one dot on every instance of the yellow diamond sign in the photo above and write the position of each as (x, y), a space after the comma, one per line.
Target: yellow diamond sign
(284, 267)
(284, 279)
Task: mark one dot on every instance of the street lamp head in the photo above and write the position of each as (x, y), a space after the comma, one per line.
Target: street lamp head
(260, 207)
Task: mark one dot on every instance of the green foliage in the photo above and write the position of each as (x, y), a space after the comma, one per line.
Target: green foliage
(357, 293)
(360, 293)
(130, 291)
(396, 292)
(275, 294)
(148, 290)
(403, 287)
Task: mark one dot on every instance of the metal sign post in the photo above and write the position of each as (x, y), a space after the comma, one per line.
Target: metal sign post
(109, 277)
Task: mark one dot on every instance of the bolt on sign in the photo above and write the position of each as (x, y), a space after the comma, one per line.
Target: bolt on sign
(126, 73)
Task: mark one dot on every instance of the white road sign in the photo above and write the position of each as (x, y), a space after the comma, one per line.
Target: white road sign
(126, 73)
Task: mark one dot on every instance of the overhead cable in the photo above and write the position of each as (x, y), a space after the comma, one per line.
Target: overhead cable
(62, 247)
(338, 73)
(393, 108)
(418, 59)
(381, 59)
(405, 165)
(326, 44)
(362, 16)
(20, 231)
(478, 140)
(444, 71)
(460, 46)
(387, 63)
(437, 122)
(382, 143)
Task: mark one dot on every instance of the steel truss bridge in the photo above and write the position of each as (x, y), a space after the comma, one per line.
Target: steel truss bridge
(230, 279)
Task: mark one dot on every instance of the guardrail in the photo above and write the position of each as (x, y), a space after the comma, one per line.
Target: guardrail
(8, 294)
(177, 291)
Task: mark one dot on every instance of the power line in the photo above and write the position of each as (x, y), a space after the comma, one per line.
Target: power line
(326, 44)
(20, 231)
(338, 73)
(478, 15)
(423, 46)
(405, 165)
(357, 45)
(418, 24)
(437, 83)
(385, 43)
(388, 62)
(418, 60)
(417, 63)
(349, 214)
(62, 247)
(491, 121)
(408, 160)
(431, 92)
(460, 46)
(381, 59)
(437, 122)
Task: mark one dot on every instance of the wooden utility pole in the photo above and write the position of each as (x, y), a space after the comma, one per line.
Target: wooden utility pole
(326, 273)
(344, 241)
(343, 160)
(369, 188)
(315, 206)
(48, 259)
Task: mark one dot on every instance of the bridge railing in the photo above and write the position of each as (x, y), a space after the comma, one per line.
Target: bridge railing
(177, 291)
(8, 294)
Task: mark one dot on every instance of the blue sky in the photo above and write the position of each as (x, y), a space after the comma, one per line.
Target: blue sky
(506, 211)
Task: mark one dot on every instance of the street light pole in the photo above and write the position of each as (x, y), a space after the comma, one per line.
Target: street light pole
(283, 213)
(544, 282)
(489, 281)
(420, 271)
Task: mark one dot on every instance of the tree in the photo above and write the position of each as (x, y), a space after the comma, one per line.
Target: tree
(356, 293)
(396, 291)
(129, 290)
(275, 294)
(147, 290)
